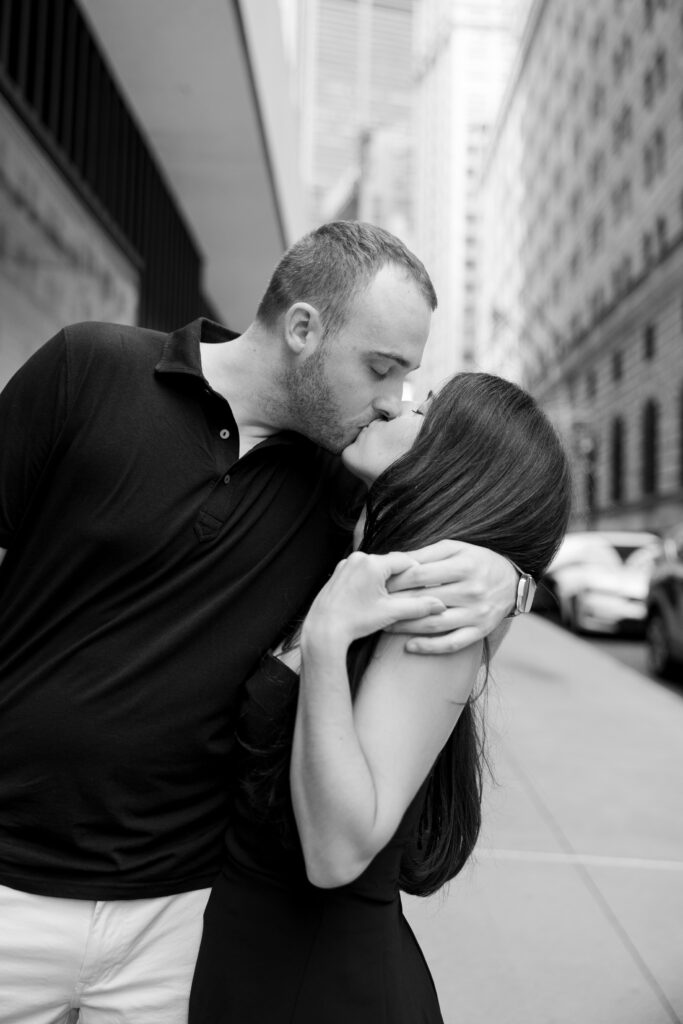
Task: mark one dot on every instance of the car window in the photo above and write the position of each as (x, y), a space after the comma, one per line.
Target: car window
(587, 553)
(644, 557)
(627, 551)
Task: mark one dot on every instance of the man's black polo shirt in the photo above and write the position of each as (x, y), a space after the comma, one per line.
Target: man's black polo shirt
(147, 570)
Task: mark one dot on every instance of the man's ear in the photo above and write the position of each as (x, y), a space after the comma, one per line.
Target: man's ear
(302, 329)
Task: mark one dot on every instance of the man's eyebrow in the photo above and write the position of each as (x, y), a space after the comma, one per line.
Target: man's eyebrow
(397, 358)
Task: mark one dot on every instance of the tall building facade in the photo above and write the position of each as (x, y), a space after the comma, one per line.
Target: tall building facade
(464, 50)
(582, 268)
(355, 98)
(132, 190)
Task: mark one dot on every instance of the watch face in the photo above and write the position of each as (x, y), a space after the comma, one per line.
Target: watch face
(526, 592)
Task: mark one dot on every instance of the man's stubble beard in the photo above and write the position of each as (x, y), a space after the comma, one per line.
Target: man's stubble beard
(313, 409)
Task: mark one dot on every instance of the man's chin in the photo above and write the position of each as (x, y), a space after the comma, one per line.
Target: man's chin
(335, 445)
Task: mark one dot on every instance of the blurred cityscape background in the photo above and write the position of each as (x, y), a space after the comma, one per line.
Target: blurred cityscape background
(156, 157)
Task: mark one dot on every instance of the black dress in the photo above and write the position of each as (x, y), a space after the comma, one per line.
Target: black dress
(278, 950)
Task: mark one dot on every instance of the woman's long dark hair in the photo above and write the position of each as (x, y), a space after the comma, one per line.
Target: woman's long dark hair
(487, 467)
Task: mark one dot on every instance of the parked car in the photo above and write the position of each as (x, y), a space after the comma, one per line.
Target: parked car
(598, 581)
(664, 627)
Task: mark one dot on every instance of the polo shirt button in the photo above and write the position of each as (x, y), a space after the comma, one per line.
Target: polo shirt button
(226, 478)
(225, 433)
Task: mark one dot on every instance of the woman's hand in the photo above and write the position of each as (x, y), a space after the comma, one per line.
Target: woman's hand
(478, 586)
(355, 601)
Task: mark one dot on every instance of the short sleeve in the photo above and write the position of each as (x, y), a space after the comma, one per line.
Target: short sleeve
(32, 413)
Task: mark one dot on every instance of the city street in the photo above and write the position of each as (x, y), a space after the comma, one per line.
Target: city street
(629, 652)
(571, 911)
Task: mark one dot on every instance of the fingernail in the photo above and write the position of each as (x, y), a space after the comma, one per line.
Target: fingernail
(413, 647)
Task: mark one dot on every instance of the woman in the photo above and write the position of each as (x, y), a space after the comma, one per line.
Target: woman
(365, 777)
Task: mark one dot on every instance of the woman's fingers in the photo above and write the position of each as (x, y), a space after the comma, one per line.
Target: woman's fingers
(412, 609)
(438, 551)
(446, 643)
(382, 566)
(442, 622)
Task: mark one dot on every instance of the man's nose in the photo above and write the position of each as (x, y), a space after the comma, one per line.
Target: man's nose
(388, 406)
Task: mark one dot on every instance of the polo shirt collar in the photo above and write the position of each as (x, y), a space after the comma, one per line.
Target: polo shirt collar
(181, 348)
(181, 355)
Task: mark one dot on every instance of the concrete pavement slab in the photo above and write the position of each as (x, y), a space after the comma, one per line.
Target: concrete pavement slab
(526, 943)
(571, 910)
(649, 907)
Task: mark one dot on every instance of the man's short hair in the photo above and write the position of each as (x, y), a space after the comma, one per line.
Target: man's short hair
(328, 267)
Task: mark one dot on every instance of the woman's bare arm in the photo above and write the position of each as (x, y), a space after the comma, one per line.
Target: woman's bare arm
(356, 766)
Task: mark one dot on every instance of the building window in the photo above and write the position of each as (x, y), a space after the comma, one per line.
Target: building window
(622, 200)
(659, 151)
(648, 12)
(650, 451)
(591, 479)
(598, 101)
(617, 65)
(661, 235)
(596, 234)
(598, 38)
(591, 385)
(617, 365)
(660, 70)
(649, 342)
(648, 166)
(622, 130)
(596, 168)
(648, 252)
(558, 178)
(617, 448)
(680, 438)
(648, 89)
(597, 303)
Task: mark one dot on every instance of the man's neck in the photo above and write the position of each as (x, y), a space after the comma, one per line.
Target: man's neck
(238, 371)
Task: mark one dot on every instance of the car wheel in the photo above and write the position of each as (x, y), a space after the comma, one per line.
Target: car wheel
(658, 647)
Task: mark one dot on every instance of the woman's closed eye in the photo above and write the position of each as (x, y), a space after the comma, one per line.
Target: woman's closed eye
(420, 410)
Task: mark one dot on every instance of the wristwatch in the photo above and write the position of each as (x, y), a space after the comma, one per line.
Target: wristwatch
(526, 589)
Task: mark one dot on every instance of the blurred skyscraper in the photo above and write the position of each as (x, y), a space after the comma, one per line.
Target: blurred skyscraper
(464, 50)
(355, 90)
(583, 246)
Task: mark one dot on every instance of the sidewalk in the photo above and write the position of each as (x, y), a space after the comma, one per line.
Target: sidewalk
(571, 911)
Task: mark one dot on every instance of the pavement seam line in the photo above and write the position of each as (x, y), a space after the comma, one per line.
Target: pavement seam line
(592, 886)
(587, 859)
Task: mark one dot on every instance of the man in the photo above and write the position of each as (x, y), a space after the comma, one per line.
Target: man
(168, 504)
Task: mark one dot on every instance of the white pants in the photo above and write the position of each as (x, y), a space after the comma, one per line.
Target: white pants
(111, 962)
